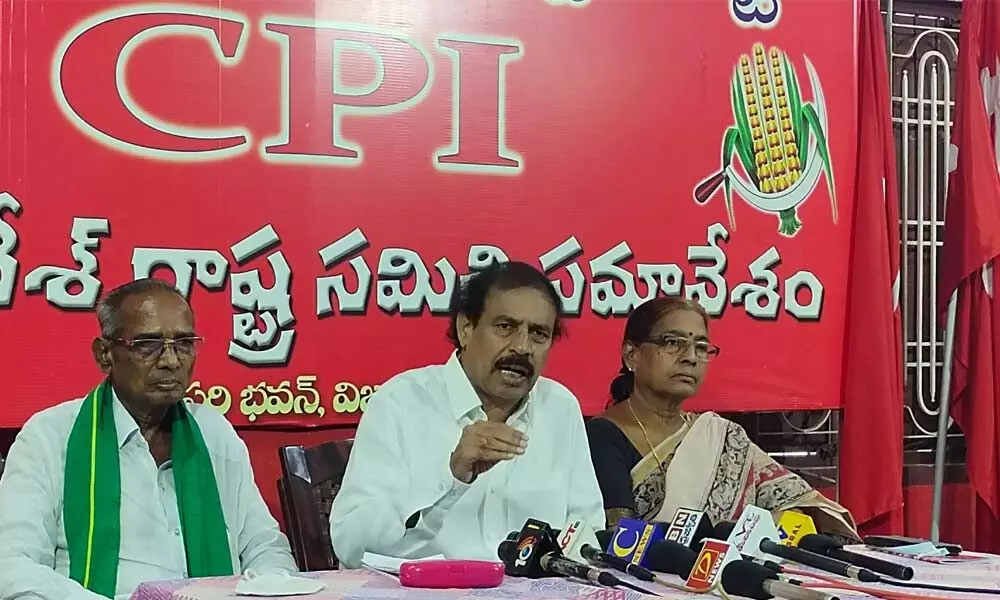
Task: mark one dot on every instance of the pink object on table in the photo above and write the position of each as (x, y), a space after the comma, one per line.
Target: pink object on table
(442, 574)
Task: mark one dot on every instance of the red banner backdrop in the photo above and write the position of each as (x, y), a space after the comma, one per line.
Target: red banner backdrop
(318, 175)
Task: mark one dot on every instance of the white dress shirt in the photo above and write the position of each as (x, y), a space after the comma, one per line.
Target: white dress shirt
(34, 560)
(399, 471)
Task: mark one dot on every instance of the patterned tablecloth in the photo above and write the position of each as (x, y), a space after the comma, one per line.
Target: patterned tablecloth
(370, 585)
(364, 585)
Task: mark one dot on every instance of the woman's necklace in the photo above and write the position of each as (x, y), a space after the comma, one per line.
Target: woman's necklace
(642, 428)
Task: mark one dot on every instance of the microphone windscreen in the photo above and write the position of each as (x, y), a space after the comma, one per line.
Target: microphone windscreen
(746, 578)
(506, 551)
(514, 535)
(604, 538)
(705, 530)
(666, 556)
(722, 530)
(818, 543)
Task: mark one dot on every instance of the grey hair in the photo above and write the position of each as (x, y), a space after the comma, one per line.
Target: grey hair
(109, 308)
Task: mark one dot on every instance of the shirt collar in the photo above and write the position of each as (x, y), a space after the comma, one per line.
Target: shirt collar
(125, 425)
(463, 397)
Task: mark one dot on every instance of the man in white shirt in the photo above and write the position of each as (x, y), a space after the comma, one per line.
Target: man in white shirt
(449, 459)
(130, 484)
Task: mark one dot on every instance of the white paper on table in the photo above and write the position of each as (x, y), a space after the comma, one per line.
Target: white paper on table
(390, 564)
(276, 584)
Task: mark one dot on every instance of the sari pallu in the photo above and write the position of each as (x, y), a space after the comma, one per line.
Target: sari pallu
(712, 465)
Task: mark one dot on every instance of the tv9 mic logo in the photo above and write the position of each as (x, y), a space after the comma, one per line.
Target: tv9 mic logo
(525, 548)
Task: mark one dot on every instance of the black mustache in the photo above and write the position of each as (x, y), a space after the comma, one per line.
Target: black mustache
(516, 362)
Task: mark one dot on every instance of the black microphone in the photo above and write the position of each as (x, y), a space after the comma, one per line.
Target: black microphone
(770, 564)
(828, 546)
(665, 556)
(722, 530)
(604, 537)
(689, 527)
(536, 554)
(596, 555)
(521, 555)
(818, 561)
(745, 578)
(513, 535)
(550, 563)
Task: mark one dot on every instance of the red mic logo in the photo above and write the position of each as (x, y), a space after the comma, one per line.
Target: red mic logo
(707, 566)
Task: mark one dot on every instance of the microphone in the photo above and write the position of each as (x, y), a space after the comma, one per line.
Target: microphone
(755, 534)
(632, 538)
(715, 555)
(665, 556)
(574, 537)
(578, 542)
(604, 537)
(819, 561)
(724, 529)
(754, 525)
(536, 554)
(551, 562)
(828, 546)
(793, 526)
(596, 555)
(522, 556)
(720, 562)
(745, 578)
(689, 527)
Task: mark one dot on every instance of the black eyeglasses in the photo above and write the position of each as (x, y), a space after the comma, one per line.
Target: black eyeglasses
(152, 348)
(679, 345)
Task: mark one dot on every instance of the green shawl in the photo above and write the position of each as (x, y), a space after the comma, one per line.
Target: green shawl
(92, 497)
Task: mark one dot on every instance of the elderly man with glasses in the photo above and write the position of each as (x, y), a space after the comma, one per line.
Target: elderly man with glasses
(129, 484)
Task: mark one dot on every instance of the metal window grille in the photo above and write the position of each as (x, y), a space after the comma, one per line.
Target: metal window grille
(922, 37)
(923, 40)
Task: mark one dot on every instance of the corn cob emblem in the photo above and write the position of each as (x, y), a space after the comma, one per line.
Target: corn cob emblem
(779, 140)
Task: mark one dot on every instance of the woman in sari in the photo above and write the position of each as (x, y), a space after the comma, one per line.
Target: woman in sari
(652, 458)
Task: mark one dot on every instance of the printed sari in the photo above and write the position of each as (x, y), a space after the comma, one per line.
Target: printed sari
(712, 465)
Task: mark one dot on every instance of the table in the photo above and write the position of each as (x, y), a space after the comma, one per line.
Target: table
(365, 585)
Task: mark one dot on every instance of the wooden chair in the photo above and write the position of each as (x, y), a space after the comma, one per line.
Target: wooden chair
(310, 480)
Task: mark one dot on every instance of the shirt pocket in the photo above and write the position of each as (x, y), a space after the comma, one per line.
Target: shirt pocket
(538, 488)
(151, 542)
(539, 500)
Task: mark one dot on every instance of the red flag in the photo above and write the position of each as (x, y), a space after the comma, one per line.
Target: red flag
(971, 246)
(871, 455)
